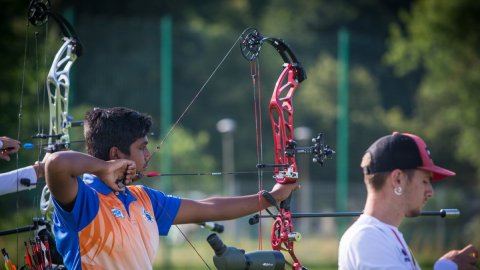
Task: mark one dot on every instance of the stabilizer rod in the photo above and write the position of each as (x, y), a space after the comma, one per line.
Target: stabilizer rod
(444, 213)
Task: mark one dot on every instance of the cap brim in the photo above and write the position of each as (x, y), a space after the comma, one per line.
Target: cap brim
(439, 173)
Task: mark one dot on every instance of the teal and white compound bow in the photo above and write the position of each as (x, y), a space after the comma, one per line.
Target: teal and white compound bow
(42, 247)
(58, 84)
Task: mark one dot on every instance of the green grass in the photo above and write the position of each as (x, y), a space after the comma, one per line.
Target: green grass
(313, 253)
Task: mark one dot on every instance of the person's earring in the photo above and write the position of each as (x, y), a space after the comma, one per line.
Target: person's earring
(397, 191)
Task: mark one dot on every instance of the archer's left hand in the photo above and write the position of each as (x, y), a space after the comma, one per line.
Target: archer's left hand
(281, 191)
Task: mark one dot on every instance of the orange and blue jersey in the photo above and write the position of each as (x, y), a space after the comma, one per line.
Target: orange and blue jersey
(112, 230)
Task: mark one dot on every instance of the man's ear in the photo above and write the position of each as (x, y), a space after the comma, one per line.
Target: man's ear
(395, 177)
(115, 153)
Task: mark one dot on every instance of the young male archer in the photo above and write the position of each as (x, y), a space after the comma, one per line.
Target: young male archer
(101, 225)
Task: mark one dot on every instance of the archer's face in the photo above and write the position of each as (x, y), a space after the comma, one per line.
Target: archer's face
(139, 153)
(418, 190)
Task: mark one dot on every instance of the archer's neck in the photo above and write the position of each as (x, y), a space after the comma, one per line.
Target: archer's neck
(384, 208)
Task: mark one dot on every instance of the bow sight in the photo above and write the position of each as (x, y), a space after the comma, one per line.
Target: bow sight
(319, 150)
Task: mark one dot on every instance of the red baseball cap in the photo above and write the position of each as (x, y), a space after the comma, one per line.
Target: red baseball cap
(402, 151)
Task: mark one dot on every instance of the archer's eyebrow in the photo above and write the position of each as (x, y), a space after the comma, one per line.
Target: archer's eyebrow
(430, 177)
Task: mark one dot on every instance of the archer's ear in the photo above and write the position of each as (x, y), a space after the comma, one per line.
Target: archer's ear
(115, 153)
(395, 177)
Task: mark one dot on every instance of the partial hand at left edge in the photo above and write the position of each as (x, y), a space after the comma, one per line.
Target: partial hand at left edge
(9, 147)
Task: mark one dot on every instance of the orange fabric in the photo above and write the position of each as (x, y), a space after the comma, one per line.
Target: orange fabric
(117, 239)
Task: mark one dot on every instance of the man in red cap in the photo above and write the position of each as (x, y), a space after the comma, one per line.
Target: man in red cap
(398, 173)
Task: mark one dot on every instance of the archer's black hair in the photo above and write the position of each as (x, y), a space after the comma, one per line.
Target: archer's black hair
(105, 128)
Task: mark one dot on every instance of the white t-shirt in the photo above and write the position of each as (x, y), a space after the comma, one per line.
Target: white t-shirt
(372, 244)
(10, 181)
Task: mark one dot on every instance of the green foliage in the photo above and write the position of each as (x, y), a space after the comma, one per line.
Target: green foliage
(318, 102)
(442, 38)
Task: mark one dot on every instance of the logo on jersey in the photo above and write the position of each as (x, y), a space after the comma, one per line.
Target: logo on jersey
(146, 215)
(407, 258)
(117, 213)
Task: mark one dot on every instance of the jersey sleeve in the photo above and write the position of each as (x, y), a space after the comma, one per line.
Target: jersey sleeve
(84, 210)
(165, 208)
(445, 264)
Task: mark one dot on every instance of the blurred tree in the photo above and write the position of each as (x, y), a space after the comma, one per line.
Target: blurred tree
(441, 38)
(318, 102)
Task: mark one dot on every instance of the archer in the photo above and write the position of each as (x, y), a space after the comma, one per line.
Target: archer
(100, 220)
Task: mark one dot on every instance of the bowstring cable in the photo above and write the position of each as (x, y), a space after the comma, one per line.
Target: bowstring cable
(255, 71)
(43, 113)
(170, 131)
(20, 111)
(40, 102)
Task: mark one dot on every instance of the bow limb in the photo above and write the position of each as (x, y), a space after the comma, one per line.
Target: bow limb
(58, 84)
(58, 78)
(58, 87)
(281, 117)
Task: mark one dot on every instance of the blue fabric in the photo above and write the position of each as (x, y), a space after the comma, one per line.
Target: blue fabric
(68, 224)
(165, 208)
(445, 264)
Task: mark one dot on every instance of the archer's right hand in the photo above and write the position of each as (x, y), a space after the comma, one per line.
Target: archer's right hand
(118, 173)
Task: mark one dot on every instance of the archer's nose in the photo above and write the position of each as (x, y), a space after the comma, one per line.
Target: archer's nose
(147, 154)
(430, 191)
